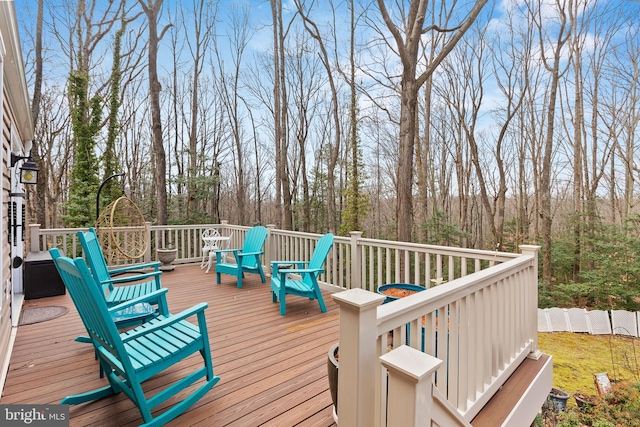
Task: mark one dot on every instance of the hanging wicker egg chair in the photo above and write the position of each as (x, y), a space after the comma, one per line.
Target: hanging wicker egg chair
(123, 232)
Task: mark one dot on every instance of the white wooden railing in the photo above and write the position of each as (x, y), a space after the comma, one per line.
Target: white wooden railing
(488, 302)
(354, 262)
(491, 326)
(185, 238)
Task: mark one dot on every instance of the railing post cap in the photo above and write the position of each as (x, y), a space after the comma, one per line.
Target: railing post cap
(529, 248)
(410, 363)
(358, 299)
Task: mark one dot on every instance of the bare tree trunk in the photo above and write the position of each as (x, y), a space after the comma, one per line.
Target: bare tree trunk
(202, 33)
(602, 148)
(522, 205)
(423, 155)
(177, 148)
(335, 149)
(276, 6)
(578, 127)
(284, 129)
(407, 49)
(238, 41)
(301, 93)
(545, 180)
(256, 152)
(41, 185)
(424, 147)
(506, 68)
(354, 194)
(545, 184)
(152, 10)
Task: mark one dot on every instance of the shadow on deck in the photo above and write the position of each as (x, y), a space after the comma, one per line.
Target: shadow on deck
(272, 367)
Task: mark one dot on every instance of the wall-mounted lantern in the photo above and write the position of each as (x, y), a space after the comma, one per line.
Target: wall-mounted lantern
(28, 171)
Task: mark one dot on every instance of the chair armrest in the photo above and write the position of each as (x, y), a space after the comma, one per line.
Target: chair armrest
(160, 293)
(227, 250)
(241, 254)
(136, 278)
(175, 318)
(276, 263)
(300, 270)
(155, 265)
(220, 253)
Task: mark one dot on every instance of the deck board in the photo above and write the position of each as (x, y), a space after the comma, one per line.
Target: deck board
(497, 410)
(272, 367)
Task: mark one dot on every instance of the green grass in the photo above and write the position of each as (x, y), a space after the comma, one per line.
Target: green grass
(577, 357)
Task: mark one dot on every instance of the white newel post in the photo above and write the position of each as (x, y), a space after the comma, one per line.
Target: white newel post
(269, 249)
(147, 255)
(225, 229)
(34, 233)
(410, 386)
(532, 298)
(358, 359)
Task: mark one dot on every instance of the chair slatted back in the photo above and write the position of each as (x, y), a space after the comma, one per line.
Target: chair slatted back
(253, 242)
(95, 258)
(321, 251)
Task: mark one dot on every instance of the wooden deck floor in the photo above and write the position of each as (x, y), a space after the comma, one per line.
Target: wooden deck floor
(272, 368)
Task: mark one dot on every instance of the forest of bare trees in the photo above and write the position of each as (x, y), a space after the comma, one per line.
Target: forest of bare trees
(468, 123)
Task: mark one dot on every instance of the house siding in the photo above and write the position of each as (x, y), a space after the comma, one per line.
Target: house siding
(16, 134)
(5, 310)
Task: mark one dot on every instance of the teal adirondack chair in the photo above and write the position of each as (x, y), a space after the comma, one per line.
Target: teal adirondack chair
(132, 357)
(247, 259)
(283, 283)
(115, 287)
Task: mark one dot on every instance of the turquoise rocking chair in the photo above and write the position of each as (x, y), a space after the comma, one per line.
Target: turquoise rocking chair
(114, 286)
(283, 281)
(247, 259)
(132, 357)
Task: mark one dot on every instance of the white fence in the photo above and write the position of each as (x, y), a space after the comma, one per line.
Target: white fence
(596, 322)
(480, 327)
(354, 261)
